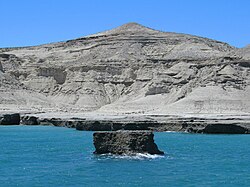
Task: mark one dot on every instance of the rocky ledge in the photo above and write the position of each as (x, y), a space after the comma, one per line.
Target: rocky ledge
(221, 129)
(125, 142)
(10, 119)
(160, 123)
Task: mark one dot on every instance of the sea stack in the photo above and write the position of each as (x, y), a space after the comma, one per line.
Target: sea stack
(125, 143)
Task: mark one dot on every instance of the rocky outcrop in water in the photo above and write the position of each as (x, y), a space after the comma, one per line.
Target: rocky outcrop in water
(125, 142)
(10, 119)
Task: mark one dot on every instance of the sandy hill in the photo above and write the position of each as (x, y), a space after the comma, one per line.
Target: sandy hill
(130, 69)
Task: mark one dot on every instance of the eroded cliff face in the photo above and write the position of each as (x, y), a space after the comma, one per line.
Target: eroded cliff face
(130, 69)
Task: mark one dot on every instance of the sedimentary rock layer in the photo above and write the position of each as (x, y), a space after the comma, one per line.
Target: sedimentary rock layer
(130, 69)
(155, 123)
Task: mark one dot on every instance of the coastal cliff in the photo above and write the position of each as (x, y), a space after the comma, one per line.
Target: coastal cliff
(131, 69)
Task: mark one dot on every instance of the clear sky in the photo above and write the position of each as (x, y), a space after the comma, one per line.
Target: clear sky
(33, 22)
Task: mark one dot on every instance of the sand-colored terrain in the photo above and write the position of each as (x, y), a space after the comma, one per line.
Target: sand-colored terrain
(132, 70)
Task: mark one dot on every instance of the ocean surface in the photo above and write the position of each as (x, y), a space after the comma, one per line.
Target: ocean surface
(56, 156)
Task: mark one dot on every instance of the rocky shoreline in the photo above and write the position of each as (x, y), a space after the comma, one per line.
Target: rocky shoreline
(216, 125)
(10, 119)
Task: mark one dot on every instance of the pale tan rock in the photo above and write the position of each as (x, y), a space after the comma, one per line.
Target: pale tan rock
(130, 69)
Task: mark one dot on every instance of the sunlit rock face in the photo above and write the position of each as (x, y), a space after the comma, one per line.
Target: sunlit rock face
(130, 69)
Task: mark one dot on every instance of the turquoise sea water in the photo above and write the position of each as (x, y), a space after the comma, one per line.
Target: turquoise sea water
(55, 156)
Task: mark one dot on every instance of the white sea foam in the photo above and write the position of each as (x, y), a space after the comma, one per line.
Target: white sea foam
(137, 156)
(147, 156)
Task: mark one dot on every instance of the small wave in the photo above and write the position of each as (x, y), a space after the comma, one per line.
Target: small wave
(137, 156)
(148, 156)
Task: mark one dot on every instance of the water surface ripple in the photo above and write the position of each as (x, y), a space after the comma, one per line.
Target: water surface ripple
(54, 156)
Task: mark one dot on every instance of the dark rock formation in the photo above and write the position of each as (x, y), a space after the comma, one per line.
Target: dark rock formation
(218, 128)
(224, 129)
(58, 122)
(125, 142)
(30, 120)
(227, 125)
(94, 125)
(10, 119)
(111, 125)
(99, 125)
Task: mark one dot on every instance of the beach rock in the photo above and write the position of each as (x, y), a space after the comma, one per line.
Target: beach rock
(10, 119)
(125, 142)
(224, 129)
(30, 120)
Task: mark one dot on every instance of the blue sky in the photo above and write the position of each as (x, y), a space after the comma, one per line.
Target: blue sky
(33, 22)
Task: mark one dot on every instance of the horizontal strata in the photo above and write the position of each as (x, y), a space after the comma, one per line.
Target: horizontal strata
(221, 125)
(229, 125)
(131, 69)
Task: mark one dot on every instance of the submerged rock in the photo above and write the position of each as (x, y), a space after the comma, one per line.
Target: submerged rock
(125, 142)
(10, 119)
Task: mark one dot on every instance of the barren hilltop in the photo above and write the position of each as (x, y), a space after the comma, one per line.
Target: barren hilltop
(130, 69)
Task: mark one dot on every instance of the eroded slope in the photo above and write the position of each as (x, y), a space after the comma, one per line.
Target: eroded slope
(130, 69)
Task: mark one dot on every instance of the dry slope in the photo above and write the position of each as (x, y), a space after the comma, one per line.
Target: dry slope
(130, 69)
